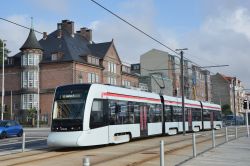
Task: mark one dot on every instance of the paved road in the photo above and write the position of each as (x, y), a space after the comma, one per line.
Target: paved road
(35, 139)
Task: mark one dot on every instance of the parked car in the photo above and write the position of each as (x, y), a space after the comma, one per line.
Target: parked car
(229, 120)
(10, 128)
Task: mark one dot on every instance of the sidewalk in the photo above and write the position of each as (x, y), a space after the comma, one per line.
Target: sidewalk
(36, 129)
(236, 152)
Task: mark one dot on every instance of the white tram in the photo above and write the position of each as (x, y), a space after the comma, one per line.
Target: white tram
(95, 114)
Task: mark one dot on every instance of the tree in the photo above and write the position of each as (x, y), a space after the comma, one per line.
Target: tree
(6, 51)
(31, 114)
(226, 110)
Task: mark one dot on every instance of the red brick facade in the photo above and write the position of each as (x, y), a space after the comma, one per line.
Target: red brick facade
(62, 67)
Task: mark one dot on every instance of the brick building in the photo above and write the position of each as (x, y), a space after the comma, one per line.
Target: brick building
(62, 57)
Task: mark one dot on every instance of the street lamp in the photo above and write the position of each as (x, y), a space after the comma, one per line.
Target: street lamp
(3, 82)
(182, 90)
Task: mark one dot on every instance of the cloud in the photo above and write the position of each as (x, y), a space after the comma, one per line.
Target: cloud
(15, 36)
(224, 39)
(129, 42)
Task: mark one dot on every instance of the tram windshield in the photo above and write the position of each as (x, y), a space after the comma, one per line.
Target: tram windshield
(68, 110)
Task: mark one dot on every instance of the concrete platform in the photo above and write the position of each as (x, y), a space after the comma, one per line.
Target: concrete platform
(233, 153)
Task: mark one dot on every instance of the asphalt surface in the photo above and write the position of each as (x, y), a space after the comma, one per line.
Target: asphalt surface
(35, 138)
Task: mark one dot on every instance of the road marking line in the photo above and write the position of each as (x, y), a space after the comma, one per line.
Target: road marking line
(21, 142)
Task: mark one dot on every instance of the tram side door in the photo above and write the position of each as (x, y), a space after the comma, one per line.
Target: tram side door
(143, 120)
(189, 111)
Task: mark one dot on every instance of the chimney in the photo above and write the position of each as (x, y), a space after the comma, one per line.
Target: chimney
(68, 26)
(59, 30)
(89, 34)
(85, 32)
(45, 35)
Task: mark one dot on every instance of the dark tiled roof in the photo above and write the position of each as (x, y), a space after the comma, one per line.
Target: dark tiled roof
(31, 42)
(72, 48)
(99, 50)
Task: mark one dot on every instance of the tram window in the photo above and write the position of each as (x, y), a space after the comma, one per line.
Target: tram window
(137, 113)
(123, 114)
(128, 112)
(131, 115)
(151, 113)
(186, 113)
(119, 113)
(177, 114)
(196, 114)
(154, 114)
(217, 116)
(158, 110)
(112, 111)
(168, 113)
(206, 115)
(97, 114)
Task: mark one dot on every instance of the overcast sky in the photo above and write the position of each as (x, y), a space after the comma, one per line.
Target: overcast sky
(216, 32)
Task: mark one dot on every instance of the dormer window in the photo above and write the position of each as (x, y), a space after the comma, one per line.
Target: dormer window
(126, 69)
(10, 61)
(93, 60)
(56, 56)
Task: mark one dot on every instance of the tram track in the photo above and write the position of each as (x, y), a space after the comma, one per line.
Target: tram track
(53, 153)
(155, 152)
(167, 152)
(150, 152)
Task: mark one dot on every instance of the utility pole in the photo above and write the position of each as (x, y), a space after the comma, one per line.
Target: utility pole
(247, 118)
(11, 109)
(234, 84)
(182, 91)
(38, 96)
(3, 82)
(235, 119)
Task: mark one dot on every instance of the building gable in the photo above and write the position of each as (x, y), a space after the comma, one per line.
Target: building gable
(112, 54)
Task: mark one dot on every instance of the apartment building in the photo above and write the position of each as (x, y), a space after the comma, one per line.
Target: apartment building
(228, 90)
(166, 67)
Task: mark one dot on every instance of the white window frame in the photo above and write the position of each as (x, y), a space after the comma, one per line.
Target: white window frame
(112, 80)
(29, 101)
(111, 67)
(126, 83)
(97, 61)
(36, 59)
(24, 59)
(93, 78)
(30, 79)
(30, 59)
(25, 79)
(54, 57)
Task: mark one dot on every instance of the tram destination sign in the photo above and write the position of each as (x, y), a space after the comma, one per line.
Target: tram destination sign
(71, 96)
